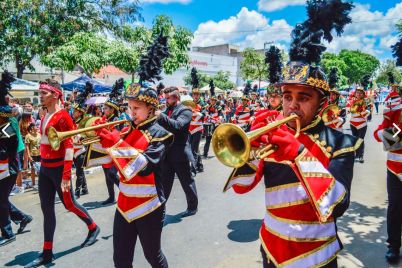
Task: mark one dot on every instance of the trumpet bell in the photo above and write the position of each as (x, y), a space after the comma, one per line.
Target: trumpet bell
(330, 113)
(231, 146)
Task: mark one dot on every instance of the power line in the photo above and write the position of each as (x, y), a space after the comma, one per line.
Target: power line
(285, 28)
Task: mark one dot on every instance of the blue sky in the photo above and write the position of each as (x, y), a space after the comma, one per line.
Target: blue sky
(251, 23)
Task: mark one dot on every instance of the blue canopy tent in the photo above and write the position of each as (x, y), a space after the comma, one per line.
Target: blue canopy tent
(80, 82)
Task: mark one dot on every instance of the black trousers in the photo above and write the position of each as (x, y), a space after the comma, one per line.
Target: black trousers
(359, 133)
(81, 182)
(8, 212)
(49, 184)
(148, 229)
(394, 212)
(112, 178)
(270, 264)
(195, 140)
(182, 169)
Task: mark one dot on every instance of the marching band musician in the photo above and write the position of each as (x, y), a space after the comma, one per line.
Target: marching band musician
(307, 178)
(111, 113)
(10, 141)
(79, 112)
(244, 114)
(55, 173)
(214, 116)
(196, 129)
(385, 134)
(331, 114)
(141, 202)
(358, 120)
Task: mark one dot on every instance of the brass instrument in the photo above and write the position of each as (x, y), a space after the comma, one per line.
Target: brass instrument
(330, 113)
(188, 101)
(232, 145)
(87, 131)
(358, 105)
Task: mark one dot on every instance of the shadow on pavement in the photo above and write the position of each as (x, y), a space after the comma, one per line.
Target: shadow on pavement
(363, 232)
(95, 205)
(244, 230)
(172, 219)
(23, 259)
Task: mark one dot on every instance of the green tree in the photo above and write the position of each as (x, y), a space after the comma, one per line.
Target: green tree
(388, 66)
(358, 64)
(32, 28)
(253, 66)
(221, 80)
(329, 61)
(87, 50)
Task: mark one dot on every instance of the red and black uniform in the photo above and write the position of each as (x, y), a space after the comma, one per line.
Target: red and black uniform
(196, 130)
(358, 123)
(214, 117)
(55, 167)
(140, 205)
(304, 195)
(243, 115)
(385, 134)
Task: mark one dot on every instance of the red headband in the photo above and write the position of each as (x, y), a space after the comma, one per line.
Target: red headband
(48, 87)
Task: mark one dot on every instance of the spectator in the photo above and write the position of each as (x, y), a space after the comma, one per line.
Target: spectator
(32, 142)
(376, 101)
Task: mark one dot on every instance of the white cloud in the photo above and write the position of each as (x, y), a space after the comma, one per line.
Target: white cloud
(166, 1)
(248, 28)
(273, 5)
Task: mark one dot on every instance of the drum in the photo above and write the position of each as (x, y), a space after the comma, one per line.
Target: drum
(208, 129)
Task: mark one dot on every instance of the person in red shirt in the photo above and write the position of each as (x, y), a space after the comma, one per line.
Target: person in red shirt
(55, 173)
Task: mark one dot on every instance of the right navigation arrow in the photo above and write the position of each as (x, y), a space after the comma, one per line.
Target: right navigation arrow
(399, 130)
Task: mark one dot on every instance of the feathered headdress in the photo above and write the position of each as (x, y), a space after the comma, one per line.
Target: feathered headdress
(160, 87)
(273, 58)
(333, 78)
(195, 82)
(115, 95)
(151, 63)
(397, 51)
(149, 71)
(80, 100)
(324, 16)
(5, 85)
(365, 82)
(212, 88)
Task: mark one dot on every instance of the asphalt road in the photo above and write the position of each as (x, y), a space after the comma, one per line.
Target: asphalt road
(224, 233)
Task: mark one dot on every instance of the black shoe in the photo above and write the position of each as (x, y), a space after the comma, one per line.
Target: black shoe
(392, 256)
(77, 193)
(24, 223)
(4, 241)
(205, 156)
(199, 170)
(189, 212)
(43, 259)
(108, 201)
(361, 160)
(91, 238)
(84, 192)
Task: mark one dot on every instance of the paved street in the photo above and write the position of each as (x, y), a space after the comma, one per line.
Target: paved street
(224, 233)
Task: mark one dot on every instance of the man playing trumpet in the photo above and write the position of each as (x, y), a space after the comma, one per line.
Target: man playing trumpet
(307, 175)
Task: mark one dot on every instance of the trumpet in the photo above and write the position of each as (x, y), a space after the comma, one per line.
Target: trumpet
(88, 132)
(330, 113)
(232, 145)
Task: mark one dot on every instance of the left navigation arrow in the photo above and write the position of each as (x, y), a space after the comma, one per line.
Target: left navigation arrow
(4, 130)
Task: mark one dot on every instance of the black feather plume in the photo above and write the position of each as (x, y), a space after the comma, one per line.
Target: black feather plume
(82, 98)
(159, 88)
(195, 82)
(324, 16)
(151, 63)
(212, 87)
(365, 82)
(397, 52)
(391, 78)
(117, 89)
(273, 57)
(247, 88)
(333, 78)
(5, 85)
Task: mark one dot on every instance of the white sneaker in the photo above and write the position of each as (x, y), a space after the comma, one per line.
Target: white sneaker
(17, 190)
